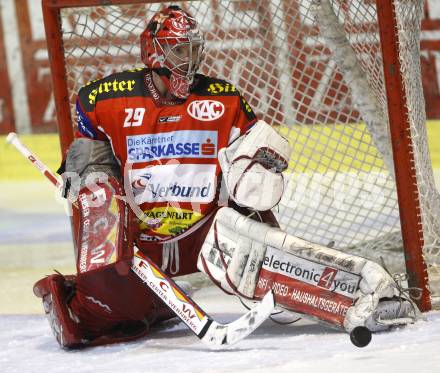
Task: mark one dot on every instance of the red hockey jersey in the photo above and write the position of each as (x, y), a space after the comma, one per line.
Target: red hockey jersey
(167, 150)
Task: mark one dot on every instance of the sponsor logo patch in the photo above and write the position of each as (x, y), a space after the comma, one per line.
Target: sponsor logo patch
(206, 110)
(174, 183)
(171, 145)
(169, 221)
(170, 119)
(111, 87)
(332, 279)
(327, 278)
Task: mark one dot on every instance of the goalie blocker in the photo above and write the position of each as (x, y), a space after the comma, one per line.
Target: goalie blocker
(249, 258)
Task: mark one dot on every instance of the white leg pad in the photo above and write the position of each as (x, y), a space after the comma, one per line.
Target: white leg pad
(234, 255)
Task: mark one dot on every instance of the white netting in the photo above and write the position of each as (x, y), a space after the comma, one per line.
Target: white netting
(314, 69)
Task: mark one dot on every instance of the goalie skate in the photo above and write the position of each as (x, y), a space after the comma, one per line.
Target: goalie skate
(392, 312)
(55, 290)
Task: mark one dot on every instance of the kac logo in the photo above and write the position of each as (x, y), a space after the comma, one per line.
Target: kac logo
(206, 110)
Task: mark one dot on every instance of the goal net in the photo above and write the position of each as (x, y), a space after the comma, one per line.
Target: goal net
(315, 70)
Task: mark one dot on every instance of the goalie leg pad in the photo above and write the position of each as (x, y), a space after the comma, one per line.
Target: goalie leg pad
(106, 226)
(232, 260)
(250, 258)
(105, 302)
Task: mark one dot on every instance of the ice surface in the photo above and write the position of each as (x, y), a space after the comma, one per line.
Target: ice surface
(27, 345)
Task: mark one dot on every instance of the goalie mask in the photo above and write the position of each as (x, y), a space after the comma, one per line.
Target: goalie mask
(172, 45)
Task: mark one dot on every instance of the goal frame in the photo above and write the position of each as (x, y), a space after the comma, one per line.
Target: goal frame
(402, 143)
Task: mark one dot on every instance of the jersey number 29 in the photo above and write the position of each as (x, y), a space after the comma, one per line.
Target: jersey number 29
(134, 117)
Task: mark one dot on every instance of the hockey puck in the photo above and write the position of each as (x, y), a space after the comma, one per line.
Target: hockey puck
(360, 336)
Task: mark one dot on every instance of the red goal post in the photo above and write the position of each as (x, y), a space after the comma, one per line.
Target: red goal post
(336, 77)
(403, 153)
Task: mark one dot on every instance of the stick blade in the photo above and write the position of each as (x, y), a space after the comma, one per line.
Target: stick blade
(218, 335)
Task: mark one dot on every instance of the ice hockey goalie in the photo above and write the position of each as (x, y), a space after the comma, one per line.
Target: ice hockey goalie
(179, 145)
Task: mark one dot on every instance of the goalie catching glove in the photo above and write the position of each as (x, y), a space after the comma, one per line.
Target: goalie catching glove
(249, 258)
(252, 167)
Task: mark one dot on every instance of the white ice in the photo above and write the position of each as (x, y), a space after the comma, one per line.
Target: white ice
(27, 345)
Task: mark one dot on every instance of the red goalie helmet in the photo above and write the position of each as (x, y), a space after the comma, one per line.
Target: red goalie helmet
(173, 41)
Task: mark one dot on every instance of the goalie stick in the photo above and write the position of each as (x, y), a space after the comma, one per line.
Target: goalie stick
(204, 326)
